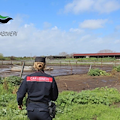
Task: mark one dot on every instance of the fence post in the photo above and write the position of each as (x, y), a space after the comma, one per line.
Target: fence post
(22, 69)
(71, 67)
(101, 62)
(90, 68)
(76, 63)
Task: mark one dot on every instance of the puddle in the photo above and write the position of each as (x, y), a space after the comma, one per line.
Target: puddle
(103, 80)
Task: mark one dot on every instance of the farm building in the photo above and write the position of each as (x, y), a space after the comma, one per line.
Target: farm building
(97, 55)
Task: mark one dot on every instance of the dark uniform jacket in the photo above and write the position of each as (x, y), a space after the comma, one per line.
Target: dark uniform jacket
(40, 87)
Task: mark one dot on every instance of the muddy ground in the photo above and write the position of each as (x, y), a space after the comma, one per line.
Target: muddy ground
(84, 82)
(78, 81)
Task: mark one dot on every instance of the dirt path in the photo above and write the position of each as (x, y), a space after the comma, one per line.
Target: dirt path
(85, 82)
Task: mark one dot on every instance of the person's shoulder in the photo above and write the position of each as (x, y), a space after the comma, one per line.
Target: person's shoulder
(40, 74)
(47, 75)
(32, 74)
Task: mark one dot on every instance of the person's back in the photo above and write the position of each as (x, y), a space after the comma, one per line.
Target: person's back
(41, 89)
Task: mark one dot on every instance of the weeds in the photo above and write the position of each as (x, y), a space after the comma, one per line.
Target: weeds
(97, 72)
(97, 104)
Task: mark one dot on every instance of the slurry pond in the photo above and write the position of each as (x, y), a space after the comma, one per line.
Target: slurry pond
(5, 70)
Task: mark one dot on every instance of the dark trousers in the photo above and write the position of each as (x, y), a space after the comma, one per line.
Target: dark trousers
(38, 115)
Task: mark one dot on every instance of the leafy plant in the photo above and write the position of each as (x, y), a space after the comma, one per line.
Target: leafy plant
(0, 80)
(97, 72)
(85, 105)
(117, 68)
(105, 96)
(12, 80)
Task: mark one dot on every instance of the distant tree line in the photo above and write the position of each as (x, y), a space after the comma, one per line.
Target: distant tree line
(14, 58)
(60, 55)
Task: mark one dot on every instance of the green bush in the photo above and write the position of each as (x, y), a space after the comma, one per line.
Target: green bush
(0, 80)
(117, 68)
(12, 80)
(97, 72)
(87, 105)
(1, 57)
(104, 96)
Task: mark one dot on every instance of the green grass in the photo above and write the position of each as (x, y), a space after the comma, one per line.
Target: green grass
(90, 112)
(97, 104)
(93, 59)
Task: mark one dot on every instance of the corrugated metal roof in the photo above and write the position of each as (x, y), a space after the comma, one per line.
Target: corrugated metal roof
(97, 54)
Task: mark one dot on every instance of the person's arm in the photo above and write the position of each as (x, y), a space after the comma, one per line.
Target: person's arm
(54, 93)
(21, 93)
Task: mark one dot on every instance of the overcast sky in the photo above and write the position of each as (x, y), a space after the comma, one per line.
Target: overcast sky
(49, 27)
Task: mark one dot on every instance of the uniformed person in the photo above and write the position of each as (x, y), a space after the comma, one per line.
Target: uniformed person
(41, 89)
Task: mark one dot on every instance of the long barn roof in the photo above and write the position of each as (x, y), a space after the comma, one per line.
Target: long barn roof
(97, 54)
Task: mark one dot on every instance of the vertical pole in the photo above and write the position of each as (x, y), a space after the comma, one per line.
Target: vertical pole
(22, 69)
(90, 68)
(71, 67)
(101, 62)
